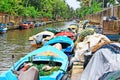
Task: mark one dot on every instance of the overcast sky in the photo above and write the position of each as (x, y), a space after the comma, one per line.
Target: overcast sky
(73, 3)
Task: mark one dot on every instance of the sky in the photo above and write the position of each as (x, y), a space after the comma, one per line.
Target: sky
(73, 3)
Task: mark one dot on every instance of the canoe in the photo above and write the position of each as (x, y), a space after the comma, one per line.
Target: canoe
(40, 56)
(3, 28)
(66, 33)
(41, 38)
(66, 42)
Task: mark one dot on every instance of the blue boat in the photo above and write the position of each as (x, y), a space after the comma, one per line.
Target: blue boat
(3, 28)
(66, 42)
(113, 37)
(41, 56)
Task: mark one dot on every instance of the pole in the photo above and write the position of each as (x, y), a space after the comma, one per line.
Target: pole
(13, 62)
(90, 5)
(103, 9)
(102, 12)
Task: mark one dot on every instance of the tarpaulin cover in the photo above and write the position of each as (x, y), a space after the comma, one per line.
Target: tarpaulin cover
(104, 60)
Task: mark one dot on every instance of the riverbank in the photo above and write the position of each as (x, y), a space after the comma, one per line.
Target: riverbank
(15, 26)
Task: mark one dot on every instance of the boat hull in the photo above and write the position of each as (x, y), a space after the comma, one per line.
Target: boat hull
(113, 37)
(66, 42)
(59, 57)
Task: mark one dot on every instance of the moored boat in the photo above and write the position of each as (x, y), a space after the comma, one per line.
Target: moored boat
(41, 38)
(67, 44)
(3, 28)
(66, 33)
(73, 28)
(55, 30)
(26, 25)
(47, 55)
(113, 37)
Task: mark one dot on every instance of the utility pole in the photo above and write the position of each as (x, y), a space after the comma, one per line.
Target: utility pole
(90, 5)
(102, 12)
(103, 9)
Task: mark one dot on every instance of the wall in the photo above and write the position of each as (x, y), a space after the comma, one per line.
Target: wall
(5, 18)
(107, 12)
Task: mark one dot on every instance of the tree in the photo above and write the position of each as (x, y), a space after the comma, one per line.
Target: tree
(89, 9)
(37, 8)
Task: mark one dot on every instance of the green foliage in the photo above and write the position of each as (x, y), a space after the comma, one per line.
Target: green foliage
(92, 6)
(46, 73)
(85, 10)
(51, 63)
(96, 7)
(37, 8)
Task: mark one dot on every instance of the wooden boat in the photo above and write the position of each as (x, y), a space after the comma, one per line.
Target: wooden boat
(66, 33)
(47, 55)
(26, 25)
(41, 38)
(66, 43)
(113, 37)
(3, 28)
(55, 30)
(73, 28)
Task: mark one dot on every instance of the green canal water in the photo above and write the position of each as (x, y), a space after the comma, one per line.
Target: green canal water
(15, 42)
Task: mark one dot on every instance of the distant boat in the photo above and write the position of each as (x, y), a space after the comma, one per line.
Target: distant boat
(3, 28)
(38, 24)
(47, 55)
(41, 38)
(26, 25)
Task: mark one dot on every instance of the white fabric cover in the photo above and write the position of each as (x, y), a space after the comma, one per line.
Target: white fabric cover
(103, 61)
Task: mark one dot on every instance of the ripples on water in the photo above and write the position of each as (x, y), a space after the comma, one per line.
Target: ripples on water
(15, 42)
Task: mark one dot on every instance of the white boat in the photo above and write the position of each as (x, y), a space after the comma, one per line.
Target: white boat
(41, 38)
(73, 28)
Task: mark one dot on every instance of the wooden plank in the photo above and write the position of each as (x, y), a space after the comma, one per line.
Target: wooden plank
(76, 71)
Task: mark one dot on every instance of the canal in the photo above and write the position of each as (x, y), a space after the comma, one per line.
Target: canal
(15, 42)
